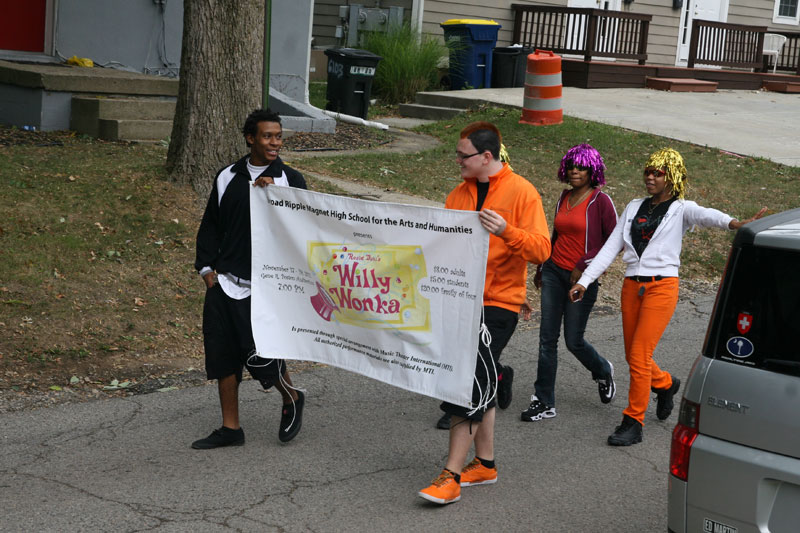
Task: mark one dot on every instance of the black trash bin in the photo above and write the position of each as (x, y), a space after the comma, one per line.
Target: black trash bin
(509, 64)
(350, 75)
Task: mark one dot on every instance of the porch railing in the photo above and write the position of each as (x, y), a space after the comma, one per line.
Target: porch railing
(726, 45)
(580, 31)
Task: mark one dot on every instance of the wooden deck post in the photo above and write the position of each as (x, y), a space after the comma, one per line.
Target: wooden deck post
(591, 36)
(643, 35)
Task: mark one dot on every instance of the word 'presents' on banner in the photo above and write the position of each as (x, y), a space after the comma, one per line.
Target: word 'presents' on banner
(390, 291)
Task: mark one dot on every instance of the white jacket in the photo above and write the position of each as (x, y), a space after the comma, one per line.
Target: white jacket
(662, 257)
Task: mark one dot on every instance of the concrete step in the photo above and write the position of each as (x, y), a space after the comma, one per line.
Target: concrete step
(782, 86)
(681, 85)
(449, 99)
(88, 111)
(133, 130)
(428, 111)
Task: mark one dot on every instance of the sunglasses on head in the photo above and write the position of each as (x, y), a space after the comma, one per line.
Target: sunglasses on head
(658, 173)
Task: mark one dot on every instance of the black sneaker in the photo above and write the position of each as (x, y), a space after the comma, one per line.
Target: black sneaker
(627, 433)
(444, 421)
(504, 382)
(606, 386)
(291, 418)
(219, 438)
(665, 401)
(537, 411)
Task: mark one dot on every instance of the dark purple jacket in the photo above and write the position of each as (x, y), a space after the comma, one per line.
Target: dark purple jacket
(601, 219)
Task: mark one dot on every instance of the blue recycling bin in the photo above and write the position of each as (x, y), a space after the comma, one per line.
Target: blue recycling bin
(471, 42)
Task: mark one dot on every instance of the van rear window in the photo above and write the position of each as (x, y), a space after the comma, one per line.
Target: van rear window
(758, 323)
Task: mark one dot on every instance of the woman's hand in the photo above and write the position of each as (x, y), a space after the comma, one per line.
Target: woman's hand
(736, 224)
(576, 292)
(537, 278)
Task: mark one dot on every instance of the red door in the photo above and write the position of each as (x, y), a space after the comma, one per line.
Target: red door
(22, 25)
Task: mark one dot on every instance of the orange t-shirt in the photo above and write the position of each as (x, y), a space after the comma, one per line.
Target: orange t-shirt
(570, 226)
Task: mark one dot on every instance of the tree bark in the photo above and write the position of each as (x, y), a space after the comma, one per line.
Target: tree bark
(220, 83)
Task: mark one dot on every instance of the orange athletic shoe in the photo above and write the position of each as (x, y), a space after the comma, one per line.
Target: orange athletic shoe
(444, 489)
(477, 474)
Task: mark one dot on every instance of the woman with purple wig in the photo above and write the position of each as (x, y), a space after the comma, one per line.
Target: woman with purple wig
(584, 218)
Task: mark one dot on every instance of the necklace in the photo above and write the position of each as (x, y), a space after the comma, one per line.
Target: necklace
(571, 205)
(652, 206)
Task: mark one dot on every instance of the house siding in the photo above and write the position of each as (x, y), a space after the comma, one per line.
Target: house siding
(438, 11)
(662, 44)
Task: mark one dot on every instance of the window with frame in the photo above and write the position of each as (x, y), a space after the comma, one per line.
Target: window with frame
(786, 12)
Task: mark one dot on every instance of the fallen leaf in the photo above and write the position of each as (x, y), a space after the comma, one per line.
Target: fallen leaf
(138, 301)
(73, 380)
(55, 387)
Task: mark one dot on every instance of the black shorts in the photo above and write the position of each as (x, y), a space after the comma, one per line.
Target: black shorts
(228, 340)
(501, 324)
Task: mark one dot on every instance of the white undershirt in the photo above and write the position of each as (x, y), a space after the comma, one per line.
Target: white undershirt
(238, 288)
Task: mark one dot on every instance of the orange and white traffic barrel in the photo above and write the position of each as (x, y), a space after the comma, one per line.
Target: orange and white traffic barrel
(542, 104)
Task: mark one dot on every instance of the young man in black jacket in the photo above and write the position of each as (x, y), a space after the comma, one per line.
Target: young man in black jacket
(223, 260)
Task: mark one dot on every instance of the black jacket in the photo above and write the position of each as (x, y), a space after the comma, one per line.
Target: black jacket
(223, 240)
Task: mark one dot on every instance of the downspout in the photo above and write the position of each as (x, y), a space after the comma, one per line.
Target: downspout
(417, 12)
(267, 37)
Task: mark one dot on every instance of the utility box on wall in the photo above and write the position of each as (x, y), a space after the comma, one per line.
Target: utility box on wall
(356, 19)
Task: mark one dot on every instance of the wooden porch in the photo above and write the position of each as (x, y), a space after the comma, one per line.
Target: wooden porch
(729, 54)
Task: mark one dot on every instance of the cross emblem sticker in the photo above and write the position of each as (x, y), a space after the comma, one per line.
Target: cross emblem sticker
(744, 322)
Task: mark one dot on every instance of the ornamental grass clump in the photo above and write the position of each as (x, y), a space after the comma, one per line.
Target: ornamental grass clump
(410, 63)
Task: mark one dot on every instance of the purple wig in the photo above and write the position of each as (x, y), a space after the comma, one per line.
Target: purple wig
(584, 155)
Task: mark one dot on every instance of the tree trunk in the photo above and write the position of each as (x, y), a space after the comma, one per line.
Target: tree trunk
(220, 83)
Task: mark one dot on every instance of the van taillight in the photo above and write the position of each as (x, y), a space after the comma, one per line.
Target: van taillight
(682, 439)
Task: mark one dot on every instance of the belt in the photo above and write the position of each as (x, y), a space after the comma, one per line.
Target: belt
(646, 279)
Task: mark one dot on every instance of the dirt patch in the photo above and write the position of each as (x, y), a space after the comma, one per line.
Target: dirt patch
(347, 137)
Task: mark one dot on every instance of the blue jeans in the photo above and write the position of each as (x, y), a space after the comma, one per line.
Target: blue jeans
(555, 305)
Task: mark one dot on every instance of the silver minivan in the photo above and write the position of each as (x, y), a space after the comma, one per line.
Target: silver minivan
(735, 456)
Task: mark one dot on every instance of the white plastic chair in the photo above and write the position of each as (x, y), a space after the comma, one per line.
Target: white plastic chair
(773, 43)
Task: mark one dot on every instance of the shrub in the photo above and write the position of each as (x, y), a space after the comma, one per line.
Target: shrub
(410, 63)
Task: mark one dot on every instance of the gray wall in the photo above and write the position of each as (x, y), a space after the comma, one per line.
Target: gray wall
(290, 47)
(135, 34)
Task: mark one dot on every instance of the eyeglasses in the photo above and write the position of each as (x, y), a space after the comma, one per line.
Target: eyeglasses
(655, 172)
(461, 157)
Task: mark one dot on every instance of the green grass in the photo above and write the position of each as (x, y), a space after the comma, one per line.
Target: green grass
(97, 246)
(738, 186)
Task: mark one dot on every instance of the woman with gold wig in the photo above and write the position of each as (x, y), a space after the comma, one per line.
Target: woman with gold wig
(650, 233)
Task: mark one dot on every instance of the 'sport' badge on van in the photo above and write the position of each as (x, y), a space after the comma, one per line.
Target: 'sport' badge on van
(740, 347)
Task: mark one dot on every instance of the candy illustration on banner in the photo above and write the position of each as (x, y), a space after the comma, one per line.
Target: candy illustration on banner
(323, 304)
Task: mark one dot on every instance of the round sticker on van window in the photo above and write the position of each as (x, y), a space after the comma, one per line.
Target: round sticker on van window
(740, 347)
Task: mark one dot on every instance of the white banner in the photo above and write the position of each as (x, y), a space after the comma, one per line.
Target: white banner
(390, 291)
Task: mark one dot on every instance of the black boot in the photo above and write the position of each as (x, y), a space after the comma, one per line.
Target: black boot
(664, 400)
(627, 433)
(444, 422)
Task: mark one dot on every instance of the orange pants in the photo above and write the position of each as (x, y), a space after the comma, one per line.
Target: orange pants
(646, 310)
